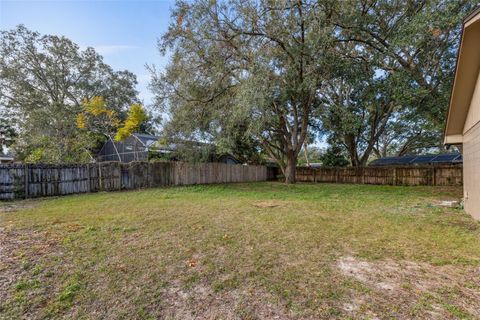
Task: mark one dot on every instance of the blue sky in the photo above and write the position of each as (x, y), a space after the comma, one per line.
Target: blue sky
(125, 32)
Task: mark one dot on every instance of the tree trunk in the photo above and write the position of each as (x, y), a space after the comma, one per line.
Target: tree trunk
(305, 151)
(352, 150)
(290, 168)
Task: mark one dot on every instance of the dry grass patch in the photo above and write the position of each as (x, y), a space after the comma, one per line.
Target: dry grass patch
(269, 204)
(419, 289)
(315, 251)
(16, 206)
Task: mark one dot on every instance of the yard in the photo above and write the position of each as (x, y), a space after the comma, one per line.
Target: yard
(241, 251)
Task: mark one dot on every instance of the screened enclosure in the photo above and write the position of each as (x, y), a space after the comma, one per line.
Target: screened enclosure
(438, 159)
(134, 148)
(144, 147)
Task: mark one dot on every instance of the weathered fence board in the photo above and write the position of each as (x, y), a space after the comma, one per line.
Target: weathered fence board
(25, 181)
(412, 175)
(28, 181)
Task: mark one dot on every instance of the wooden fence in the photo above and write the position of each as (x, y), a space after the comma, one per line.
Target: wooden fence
(411, 175)
(28, 181)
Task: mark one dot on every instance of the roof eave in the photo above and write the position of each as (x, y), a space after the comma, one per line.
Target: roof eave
(471, 18)
(454, 139)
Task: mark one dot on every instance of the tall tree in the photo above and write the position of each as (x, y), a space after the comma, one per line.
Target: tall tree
(358, 108)
(408, 133)
(43, 81)
(8, 132)
(407, 52)
(255, 63)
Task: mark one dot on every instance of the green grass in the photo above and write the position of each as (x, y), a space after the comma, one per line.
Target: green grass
(243, 251)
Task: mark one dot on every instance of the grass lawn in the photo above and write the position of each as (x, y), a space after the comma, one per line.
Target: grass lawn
(241, 251)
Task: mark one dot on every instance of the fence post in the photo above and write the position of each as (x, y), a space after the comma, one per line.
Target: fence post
(99, 167)
(394, 176)
(88, 179)
(149, 170)
(25, 180)
(434, 179)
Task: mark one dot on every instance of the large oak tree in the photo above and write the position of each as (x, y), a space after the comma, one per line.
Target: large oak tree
(43, 81)
(257, 66)
(393, 95)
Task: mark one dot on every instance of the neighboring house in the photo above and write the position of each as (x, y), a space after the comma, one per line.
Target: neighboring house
(436, 159)
(228, 159)
(463, 122)
(315, 165)
(5, 158)
(133, 148)
(138, 147)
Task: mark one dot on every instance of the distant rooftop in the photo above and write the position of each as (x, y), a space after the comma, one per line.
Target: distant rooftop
(146, 139)
(5, 155)
(447, 158)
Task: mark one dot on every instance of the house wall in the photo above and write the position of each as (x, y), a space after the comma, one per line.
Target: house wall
(473, 116)
(471, 155)
(471, 170)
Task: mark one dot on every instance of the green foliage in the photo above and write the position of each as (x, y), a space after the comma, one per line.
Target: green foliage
(375, 75)
(457, 312)
(8, 133)
(69, 292)
(244, 75)
(393, 77)
(43, 81)
(334, 157)
(42, 149)
(97, 118)
(309, 154)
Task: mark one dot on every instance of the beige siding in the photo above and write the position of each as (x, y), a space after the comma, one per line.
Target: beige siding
(473, 116)
(471, 170)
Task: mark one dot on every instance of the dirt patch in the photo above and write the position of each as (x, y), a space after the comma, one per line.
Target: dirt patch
(447, 203)
(201, 302)
(23, 254)
(12, 207)
(269, 204)
(365, 272)
(441, 288)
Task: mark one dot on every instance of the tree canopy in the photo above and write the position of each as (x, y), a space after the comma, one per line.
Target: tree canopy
(256, 79)
(248, 70)
(373, 76)
(395, 70)
(43, 81)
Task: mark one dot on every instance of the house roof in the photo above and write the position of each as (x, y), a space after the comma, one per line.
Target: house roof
(6, 156)
(446, 158)
(146, 139)
(466, 73)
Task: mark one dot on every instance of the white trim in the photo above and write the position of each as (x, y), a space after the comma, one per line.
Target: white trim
(453, 139)
(143, 144)
(474, 19)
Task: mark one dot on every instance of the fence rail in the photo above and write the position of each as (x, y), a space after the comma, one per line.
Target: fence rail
(411, 175)
(28, 181)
